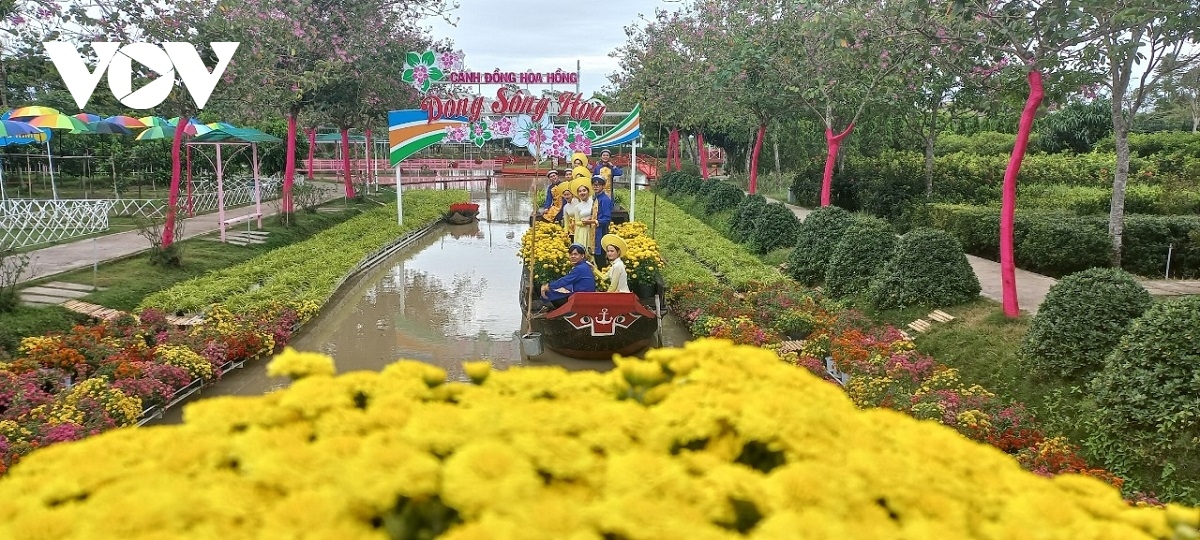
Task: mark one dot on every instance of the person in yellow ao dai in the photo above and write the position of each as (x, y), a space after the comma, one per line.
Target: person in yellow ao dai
(583, 210)
(614, 247)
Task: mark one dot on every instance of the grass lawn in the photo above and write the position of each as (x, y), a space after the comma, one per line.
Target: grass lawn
(128, 281)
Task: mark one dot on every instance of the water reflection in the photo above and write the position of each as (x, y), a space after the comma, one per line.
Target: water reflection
(449, 297)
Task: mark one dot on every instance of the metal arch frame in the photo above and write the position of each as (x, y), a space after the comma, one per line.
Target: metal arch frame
(219, 165)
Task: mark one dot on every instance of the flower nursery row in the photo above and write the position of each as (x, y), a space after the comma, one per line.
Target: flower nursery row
(885, 370)
(67, 386)
(688, 443)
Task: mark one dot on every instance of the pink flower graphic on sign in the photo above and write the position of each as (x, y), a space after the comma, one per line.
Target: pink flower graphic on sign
(582, 144)
(456, 133)
(502, 127)
(534, 136)
(447, 60)
(559, 136)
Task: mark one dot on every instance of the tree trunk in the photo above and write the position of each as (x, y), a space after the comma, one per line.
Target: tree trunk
(775, 140)
(1116, 207)
(289, 168)
(703, 155)
(758, 141)
(832, 143)
(346, 163)
(1008, 205)
(929, 142)
(168, 235)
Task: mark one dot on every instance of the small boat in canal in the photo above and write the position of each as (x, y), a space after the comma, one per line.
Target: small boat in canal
(597, 325)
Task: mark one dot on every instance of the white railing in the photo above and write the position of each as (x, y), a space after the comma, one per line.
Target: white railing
(28, 222)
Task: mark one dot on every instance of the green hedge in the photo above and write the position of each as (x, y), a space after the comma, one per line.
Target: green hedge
(309, 270)
(816, 238)
(927, 269)
(1056, 243)
(885, 185)
(859, 256)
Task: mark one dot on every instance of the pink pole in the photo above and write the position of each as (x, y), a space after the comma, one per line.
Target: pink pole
(346, 163)
(312, 147)
(367, 156)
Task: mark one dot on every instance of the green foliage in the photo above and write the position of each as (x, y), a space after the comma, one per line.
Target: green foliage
(696, 252)
(24, 321)
(1076, 127)
(985, 143)
(1146, 402)
(775, 227)
(742, 223)
(1174, 143)
(723, 197)
(1057, 248)
(859, 256)
(818, 234)
(928, 269)
(1082, 318)
(1145, 243)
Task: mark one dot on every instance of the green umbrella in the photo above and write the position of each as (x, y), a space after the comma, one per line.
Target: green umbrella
(157, 132)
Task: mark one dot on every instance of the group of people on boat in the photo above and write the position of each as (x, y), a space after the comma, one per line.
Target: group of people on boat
(582, 206)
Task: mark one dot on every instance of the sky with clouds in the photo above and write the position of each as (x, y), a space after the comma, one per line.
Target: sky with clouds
(545, 35)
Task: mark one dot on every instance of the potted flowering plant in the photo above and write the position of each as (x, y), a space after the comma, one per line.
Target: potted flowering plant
(462, 213)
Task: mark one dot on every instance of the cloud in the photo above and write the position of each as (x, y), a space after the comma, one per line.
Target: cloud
(544, 35)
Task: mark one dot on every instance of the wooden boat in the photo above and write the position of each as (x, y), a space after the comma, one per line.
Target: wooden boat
(594, 326)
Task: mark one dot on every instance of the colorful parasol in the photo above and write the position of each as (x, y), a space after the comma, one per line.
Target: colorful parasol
(59, 121)
(153, 121)
(105, 127)
(127, 121)
(157, 132)
(11, 128)
(87, 117)
(32, 111)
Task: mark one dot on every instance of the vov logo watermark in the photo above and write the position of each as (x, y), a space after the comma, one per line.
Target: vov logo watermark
(171, 58)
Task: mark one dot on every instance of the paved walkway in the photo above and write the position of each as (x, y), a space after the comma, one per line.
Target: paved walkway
(55, 260)
(1031, 287)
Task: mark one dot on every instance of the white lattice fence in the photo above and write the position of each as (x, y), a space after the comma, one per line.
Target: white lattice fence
(28, 222)
(204, 199)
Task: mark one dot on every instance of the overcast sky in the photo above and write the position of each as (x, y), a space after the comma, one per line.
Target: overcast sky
(545, 35)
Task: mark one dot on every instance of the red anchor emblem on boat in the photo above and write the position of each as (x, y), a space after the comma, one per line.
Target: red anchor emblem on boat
(603, 314)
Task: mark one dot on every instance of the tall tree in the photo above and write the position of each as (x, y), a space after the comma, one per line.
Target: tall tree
(1037, 36)
(297, 47)
(1152, 40)
(1182, 90)
(837, 57)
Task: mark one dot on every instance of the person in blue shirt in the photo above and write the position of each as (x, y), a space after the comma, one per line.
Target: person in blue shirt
(550, 191)
(602, 218)
(606, 163)
(579, 279)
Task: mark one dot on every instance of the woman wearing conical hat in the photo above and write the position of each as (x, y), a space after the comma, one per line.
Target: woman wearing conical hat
(614, 248)
(583, 213)
(580, 161)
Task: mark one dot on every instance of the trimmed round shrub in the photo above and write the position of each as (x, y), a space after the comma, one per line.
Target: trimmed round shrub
(774, 228)
(664, 182)
(742, 223)
(1145, 422)
(723, 197)
(686, 184)
(928, 269)
(1081, 320)
(819, 233)
(707, 187)
(859, 256)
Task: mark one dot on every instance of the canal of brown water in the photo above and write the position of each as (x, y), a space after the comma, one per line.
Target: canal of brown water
(451, 296)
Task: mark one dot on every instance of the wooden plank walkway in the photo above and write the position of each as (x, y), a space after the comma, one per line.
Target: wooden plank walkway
(93, 310)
